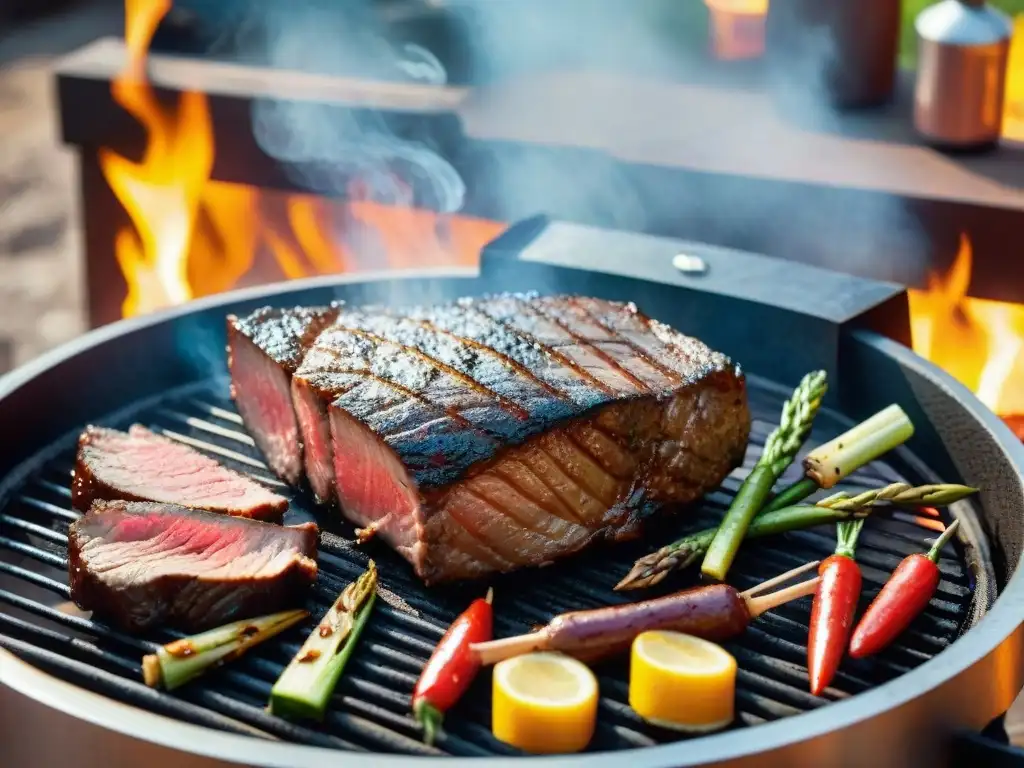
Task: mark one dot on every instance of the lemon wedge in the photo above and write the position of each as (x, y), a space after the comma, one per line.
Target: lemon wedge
(544, 703)
(682, 682)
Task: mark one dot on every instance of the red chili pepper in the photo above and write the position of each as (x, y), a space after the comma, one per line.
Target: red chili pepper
(906, 593)
(834, 607)
(451, 668)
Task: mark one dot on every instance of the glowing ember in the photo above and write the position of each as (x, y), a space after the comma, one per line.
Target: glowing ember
(980, 342)
(191, 237)
(737, 28)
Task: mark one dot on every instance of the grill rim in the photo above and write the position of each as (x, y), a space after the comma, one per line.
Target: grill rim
(1002, 624)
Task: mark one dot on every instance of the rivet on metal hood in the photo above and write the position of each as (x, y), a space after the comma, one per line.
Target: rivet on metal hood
(690, 265)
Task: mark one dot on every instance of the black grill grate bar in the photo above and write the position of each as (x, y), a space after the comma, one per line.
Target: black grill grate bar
(216, 411)
(209, 427)
(60, 490)
(35, 578)
(361, 731)
(627, 721)
(51, 509)
(787, 639)
(38, 530)
(49, 558)
(763, 707)
(794, 675)
(55, 641)
(120, 688)
(449, 742)
(267, 672)
(75, 622)
(460, 735)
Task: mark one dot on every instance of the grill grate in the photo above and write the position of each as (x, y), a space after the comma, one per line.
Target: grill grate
(370, 710)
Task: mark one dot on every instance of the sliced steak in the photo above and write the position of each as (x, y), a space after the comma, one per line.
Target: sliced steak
(264, 349)
(140, 465)
(492, 434)
(140, 564)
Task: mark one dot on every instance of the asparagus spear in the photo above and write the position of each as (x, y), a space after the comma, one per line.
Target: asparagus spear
(179, 661)
(779, 451)
(834, 461)
(649, 570)
(307, 683)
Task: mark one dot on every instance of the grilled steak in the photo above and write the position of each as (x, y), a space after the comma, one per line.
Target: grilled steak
(264, 349)
(140, 563)
(140, 465)
(492, 434)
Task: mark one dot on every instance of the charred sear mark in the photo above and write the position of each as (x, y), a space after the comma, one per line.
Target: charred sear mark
(181, 649)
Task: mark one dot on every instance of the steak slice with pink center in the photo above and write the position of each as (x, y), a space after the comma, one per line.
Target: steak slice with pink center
(264, 350)
(142, 564)
(140, 465)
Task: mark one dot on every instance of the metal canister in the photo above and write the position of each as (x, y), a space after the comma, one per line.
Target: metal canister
(833, 53)
(963, 47)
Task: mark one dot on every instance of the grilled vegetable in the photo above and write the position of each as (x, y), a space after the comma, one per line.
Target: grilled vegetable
(307, 682)
(177, 662)
(779, 451)
(651, 569)
(833, 609)
(838, 459)
(452, 667)
(544, 703)
(906, 593)
(714, 612)
(682, 682)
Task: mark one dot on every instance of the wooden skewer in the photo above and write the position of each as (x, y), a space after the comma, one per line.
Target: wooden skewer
(498, 650)
(780, 579)
(759, 605)
(495, 650)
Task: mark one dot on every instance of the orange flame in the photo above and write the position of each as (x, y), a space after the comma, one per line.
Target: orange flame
(190, 236)
(168, 179)
(978, 341)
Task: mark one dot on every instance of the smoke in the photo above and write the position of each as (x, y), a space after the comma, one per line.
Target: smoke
(345, 152)
(361, 153)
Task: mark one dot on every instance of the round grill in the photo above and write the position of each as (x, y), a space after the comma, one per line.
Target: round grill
(370, 709)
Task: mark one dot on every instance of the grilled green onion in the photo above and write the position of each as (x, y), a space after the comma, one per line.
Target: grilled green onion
(827, 464)
(307, 683)
(177, 662)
